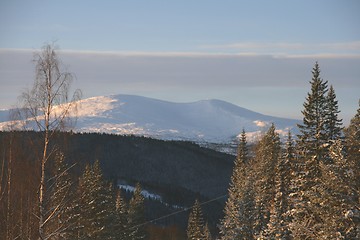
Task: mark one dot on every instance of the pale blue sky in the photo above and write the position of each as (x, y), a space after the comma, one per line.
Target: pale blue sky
(186, 25)
(256, 54)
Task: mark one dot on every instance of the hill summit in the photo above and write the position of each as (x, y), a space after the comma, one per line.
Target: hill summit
(212, 121)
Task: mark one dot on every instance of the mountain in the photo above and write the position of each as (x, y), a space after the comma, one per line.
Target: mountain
(213, 121)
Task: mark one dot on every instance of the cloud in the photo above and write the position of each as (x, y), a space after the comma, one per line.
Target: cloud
(255, 45)
(259, 82)
(160, 70)
(219, 54)
(319, 56)
(160, 54)
(289, 50)
(355, 45)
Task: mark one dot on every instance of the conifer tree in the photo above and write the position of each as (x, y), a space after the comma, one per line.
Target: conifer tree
(59, 200)
(289, 154)
(195, 229)
(333, 123)
(207, 233)
(120, 222)
(267, 157)
(352, 143)
(338, 201)
(110, 209)
(237, 223)
(136, 217)
(243, 152)
(309, 192)
(313, 135)
(323, 204)
(95, 208)
(278, 227)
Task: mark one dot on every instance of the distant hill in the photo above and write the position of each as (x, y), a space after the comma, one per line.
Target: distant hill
(212, 121)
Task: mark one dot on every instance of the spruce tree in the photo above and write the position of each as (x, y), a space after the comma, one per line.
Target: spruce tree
(309, 193)
(195, 229)
(243, 152)
(278, 226)
(352, 143)
(313, 135)
(59, 200)
(75, 219)
(110, 209)
(267, 156)
(290, 154)
(136, 215)
(338, 199)
(333, 123)
(207, 233)
(120, 222)
(95, 205)
(237, 222)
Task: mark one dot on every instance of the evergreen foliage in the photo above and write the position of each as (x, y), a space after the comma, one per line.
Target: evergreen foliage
(352, 143)
(321, 190)
(96, 213)
(95, 205)
(333, 123)
(311, 191)
(237, 222)
(313, 136)
(136, 215)
(278, 226)
(59, 200)
(120, 226)
(312, 146)
(339, 200)
(267, 157)
(195, 229)
(207, 233)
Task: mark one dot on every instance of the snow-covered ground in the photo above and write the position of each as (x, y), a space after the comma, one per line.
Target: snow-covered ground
(148, 195)
(145, 193)
(212, 121)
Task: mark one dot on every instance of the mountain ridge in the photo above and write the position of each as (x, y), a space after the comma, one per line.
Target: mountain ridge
(213, 120)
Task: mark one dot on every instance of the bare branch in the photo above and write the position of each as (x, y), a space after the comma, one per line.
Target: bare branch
(47, 108)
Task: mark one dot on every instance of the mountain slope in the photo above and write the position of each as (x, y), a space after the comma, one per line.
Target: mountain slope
(203, 121)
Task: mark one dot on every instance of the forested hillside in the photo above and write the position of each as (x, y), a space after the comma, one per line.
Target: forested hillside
(177, 171)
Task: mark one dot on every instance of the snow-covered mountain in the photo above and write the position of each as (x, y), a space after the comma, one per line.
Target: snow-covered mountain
(212, 121)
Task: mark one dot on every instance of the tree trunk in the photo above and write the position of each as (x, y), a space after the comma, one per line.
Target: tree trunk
(42, 216)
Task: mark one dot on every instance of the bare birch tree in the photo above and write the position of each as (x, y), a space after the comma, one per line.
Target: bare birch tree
(47, 107)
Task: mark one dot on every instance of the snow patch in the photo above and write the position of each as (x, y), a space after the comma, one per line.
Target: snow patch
(145, 193)
(261, 124)
(149, 195)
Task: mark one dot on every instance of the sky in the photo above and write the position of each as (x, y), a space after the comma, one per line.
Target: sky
(256, 54)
